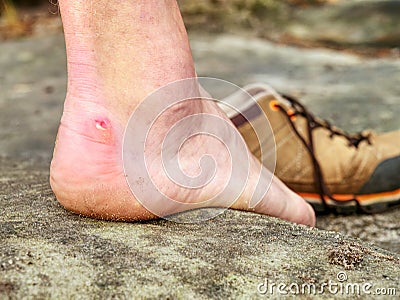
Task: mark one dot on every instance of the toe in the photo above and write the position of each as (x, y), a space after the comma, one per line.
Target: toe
(283, 203)
(303, 212)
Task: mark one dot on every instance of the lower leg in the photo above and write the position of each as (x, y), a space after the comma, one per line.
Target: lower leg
(123, 52)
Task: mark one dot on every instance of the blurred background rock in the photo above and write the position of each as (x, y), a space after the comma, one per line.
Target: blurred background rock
(346, 23)
(365, 26)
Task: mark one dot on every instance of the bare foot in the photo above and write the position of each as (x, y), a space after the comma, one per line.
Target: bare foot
(116, 57)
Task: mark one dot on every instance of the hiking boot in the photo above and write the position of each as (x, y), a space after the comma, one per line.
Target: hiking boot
(329, 168)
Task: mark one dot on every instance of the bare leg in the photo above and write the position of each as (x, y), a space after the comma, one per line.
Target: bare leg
(117, 55)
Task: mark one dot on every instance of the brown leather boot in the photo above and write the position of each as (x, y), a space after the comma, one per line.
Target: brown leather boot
(328, 167)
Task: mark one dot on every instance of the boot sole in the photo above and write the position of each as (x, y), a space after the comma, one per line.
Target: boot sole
(370, 204)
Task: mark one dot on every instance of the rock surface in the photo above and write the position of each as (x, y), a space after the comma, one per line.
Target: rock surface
(47, 251)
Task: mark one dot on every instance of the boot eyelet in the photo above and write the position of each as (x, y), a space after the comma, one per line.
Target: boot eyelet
(274, 105)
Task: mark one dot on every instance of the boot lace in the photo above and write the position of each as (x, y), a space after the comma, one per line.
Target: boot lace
(354, 140)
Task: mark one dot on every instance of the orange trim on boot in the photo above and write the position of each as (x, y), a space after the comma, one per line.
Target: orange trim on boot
(361, 198)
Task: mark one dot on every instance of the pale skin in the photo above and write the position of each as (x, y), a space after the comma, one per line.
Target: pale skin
(118, 53)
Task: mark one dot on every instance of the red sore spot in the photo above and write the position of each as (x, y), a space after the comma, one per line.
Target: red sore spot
(103, 132)
(102, 124)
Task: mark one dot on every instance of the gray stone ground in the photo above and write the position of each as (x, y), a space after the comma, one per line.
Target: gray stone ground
(48, 252)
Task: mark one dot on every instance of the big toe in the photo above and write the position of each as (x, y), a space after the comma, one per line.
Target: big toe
(301, 212)
(285, 204)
